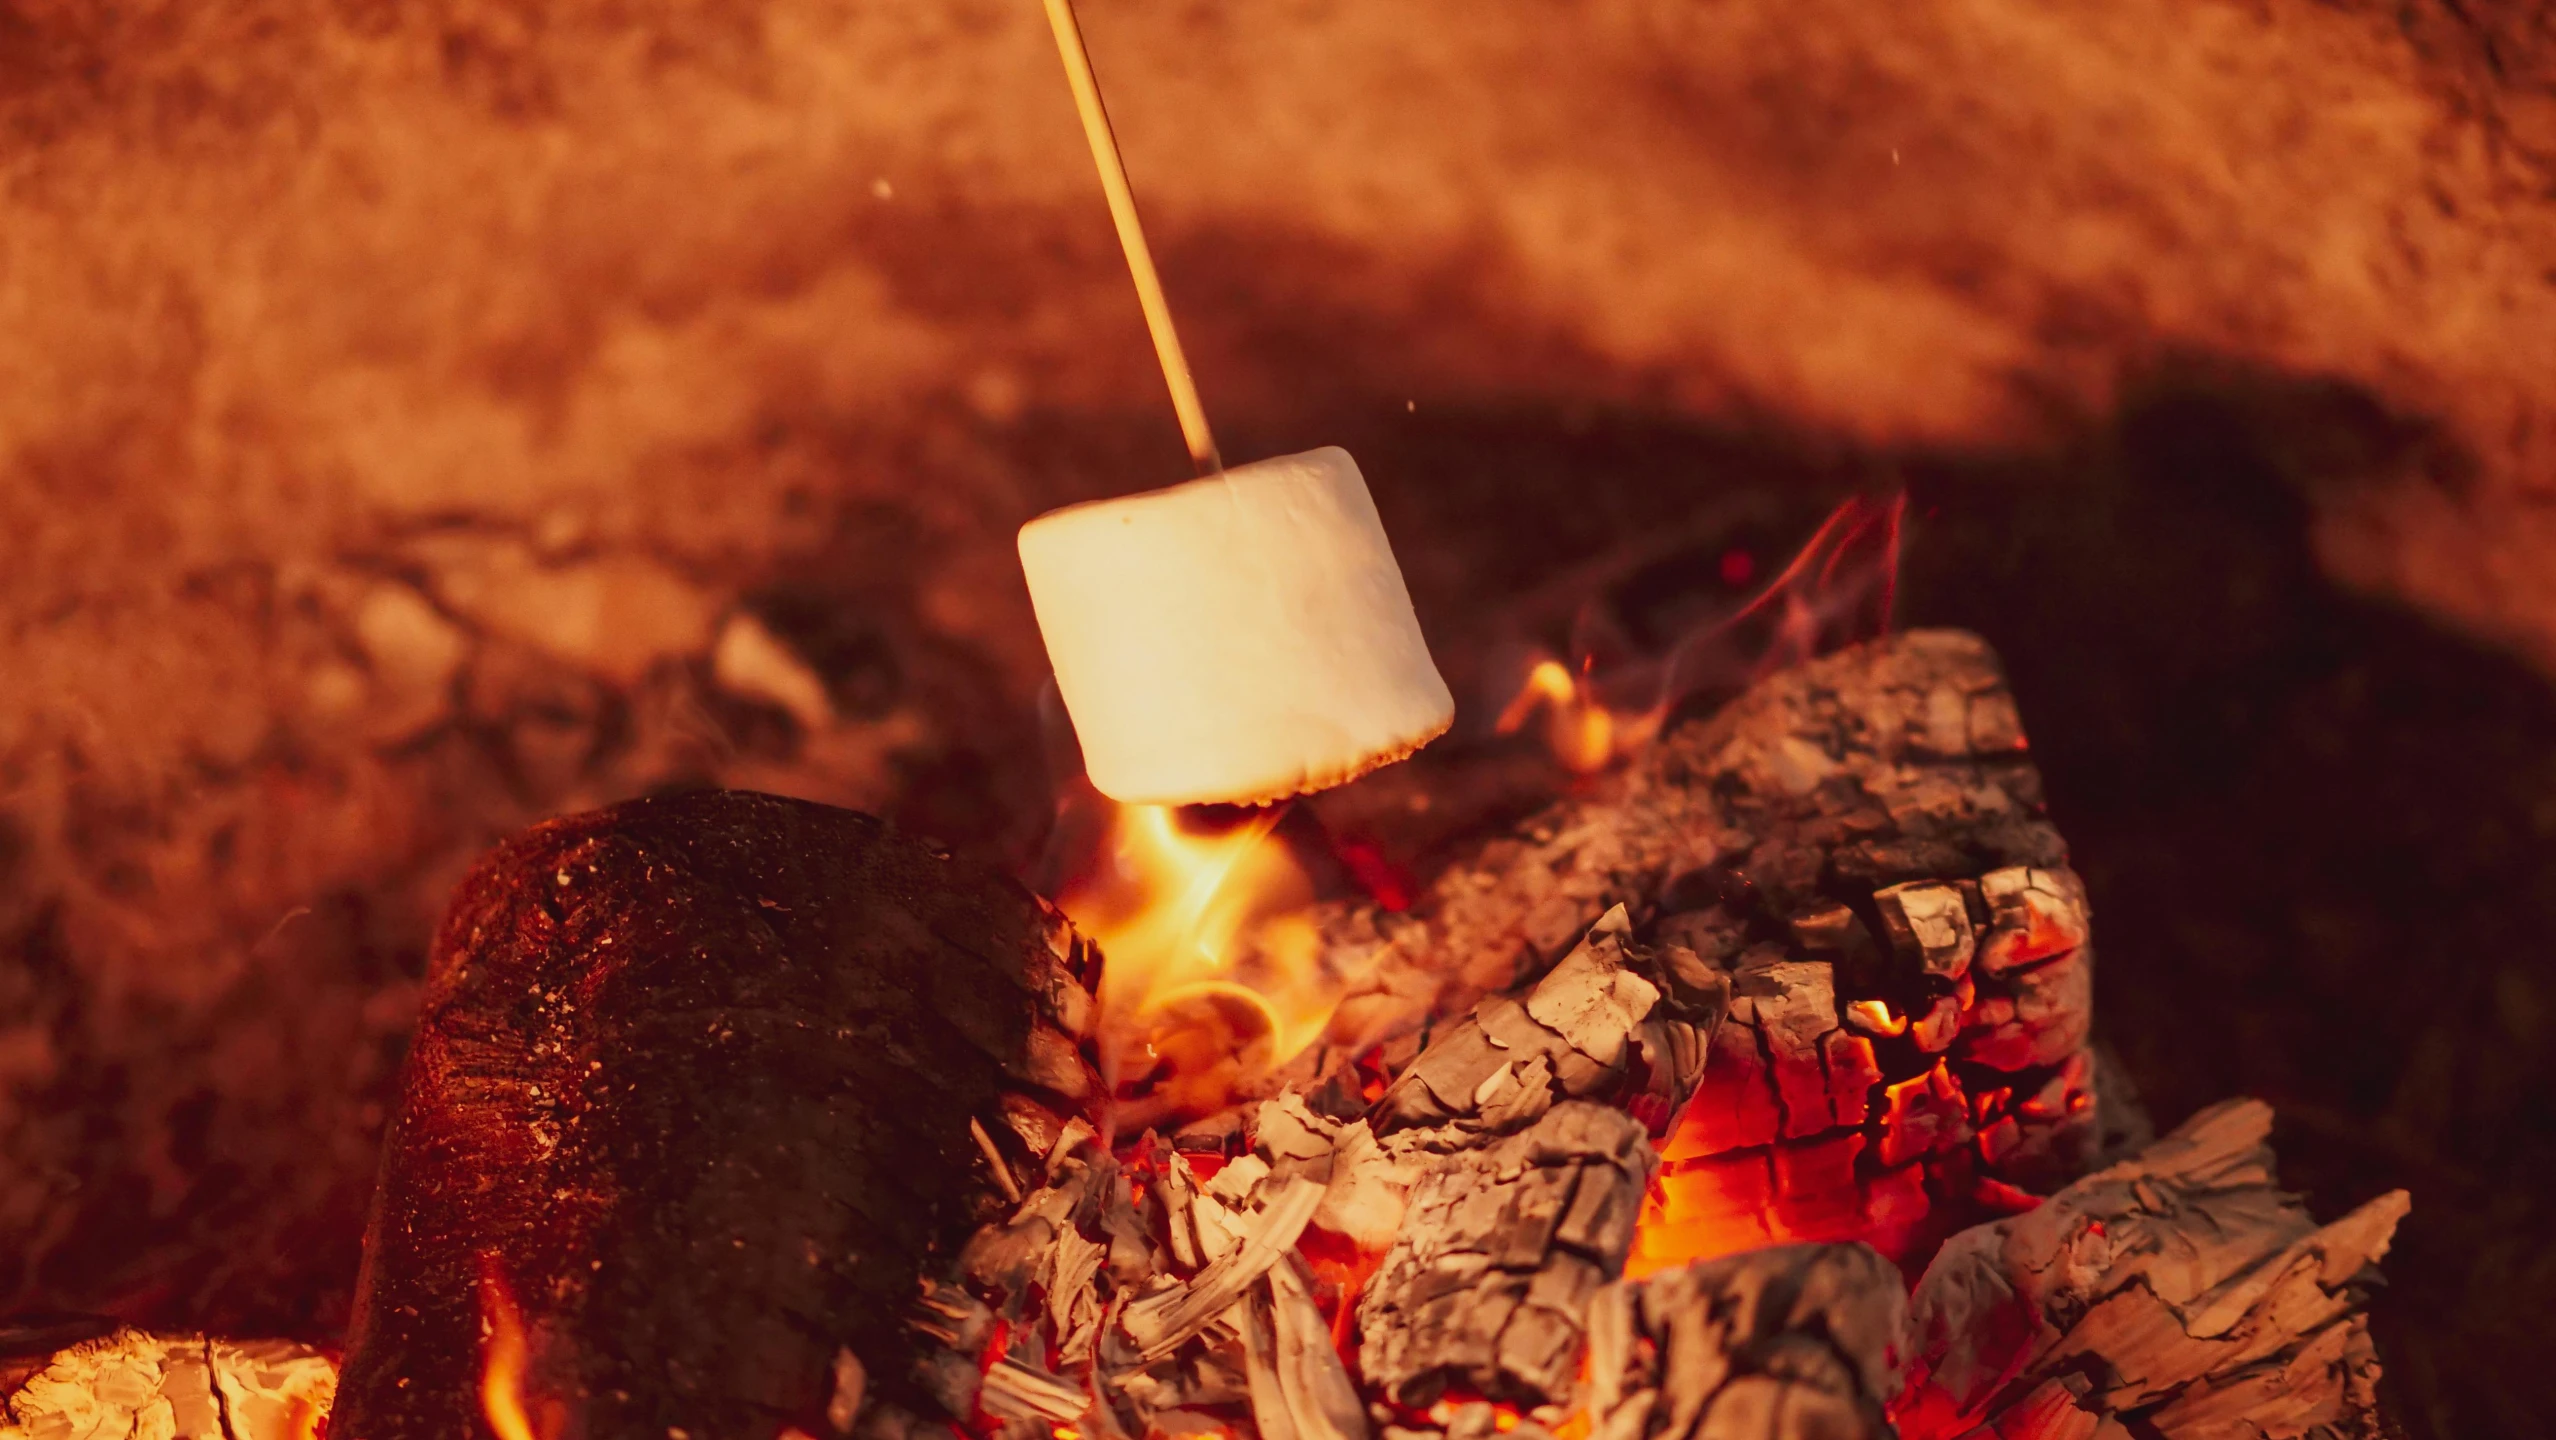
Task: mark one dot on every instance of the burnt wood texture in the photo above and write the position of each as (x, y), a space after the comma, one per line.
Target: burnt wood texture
(1856, 851)
(692, 1090)
(2179, 1294)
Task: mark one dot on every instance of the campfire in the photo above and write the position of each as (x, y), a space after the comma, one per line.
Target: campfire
(1748, 1091)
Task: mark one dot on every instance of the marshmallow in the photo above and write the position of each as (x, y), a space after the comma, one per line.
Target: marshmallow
(1236, 639)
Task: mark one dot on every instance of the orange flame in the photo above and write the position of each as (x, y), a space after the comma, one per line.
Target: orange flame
(1212, 973)
(1875, 1018)
(1584, 734)
(501, 1380)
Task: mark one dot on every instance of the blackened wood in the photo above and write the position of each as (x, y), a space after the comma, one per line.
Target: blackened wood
(693, 1084)
(1616, 1021)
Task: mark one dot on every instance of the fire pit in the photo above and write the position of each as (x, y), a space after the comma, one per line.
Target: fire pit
(1750, 1090)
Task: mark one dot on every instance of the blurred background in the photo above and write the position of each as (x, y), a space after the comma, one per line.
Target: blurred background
(420, 418)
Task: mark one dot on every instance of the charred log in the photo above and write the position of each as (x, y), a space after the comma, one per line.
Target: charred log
(1898, 760)
(1797, 1342)
(701, 1085)
(2177, 1294)
(1858, 849)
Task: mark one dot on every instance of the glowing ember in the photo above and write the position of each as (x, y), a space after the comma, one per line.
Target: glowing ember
(1212, 973)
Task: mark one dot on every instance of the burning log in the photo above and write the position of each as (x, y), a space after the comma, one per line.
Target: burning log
(172, 1387)
(2177, 1294)
(1857, 848)
(701, 1085)
(1797, 1342)
(1901, 759)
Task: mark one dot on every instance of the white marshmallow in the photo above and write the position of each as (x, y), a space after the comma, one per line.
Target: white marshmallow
(1236, 639)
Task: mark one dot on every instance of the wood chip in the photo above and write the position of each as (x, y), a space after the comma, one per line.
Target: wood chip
(1299, 1388)
(1016, 1391)
(1158, 1324)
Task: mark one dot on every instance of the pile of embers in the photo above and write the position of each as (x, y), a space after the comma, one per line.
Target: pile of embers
(1820, 1023)
(1636, 1126)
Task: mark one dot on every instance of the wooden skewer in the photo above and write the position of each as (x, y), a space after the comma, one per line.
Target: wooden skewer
(1131, 236)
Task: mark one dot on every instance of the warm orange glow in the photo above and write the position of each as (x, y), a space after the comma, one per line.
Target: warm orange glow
(1702, 1209)
(501, 1380)
(1212, 973)
(1873, 1017)
(1340, 1270)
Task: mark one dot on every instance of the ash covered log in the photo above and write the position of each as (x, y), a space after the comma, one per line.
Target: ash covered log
(1858, 847)
(1522, 1193)
(1795, 1342)
(702, 1084)
(2177, 1294)
(1900, 759)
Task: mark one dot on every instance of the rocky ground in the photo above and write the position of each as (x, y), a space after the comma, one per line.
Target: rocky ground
(420, 419)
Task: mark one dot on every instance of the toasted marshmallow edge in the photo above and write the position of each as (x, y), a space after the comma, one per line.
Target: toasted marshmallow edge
(1237, 639)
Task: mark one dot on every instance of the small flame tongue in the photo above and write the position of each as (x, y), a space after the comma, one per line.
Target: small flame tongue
(1212, 975)
(501, 1380)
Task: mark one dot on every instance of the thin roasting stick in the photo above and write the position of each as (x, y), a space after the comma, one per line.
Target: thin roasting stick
(1131, 237)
